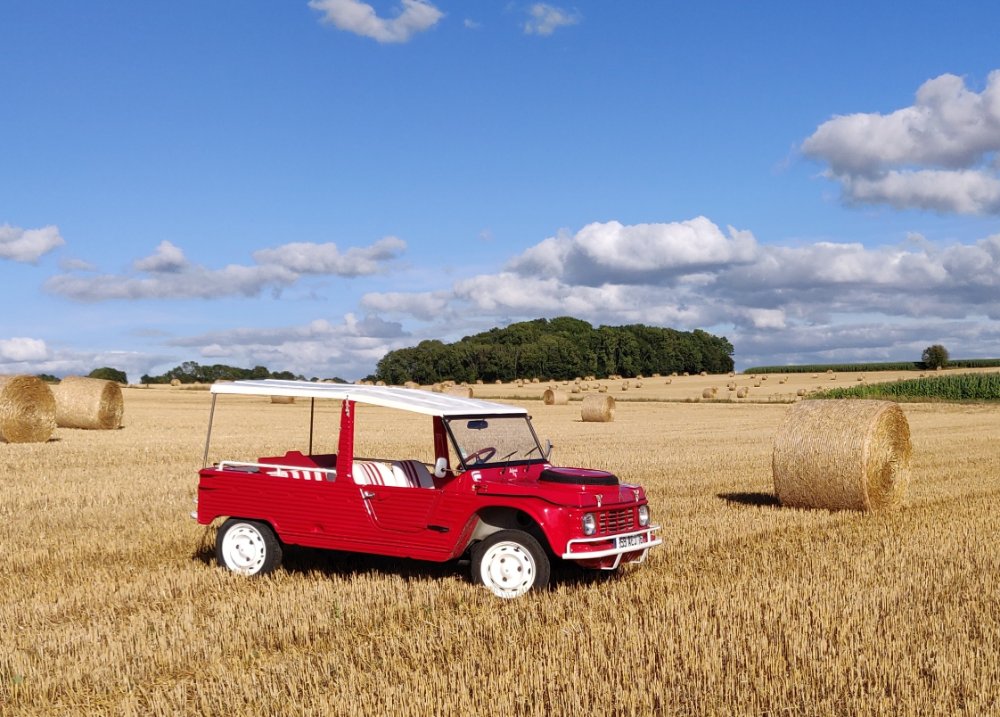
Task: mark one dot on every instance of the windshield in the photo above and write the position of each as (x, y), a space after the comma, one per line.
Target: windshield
(494, 439)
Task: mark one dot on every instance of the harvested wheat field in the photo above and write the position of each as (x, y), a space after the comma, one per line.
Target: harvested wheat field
(113, 605)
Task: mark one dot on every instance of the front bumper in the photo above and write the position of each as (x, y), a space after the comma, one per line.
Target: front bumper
(635, 544)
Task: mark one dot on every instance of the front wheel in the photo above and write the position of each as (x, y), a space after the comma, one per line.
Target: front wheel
(248, 547)
(510, 563)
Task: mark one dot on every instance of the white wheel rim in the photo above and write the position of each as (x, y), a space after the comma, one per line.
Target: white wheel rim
(508, 569)
(243, 549)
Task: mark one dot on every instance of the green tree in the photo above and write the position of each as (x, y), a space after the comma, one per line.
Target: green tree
(935, 356)
(109, 374)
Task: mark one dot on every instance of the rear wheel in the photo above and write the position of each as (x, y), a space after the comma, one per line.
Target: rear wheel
(248, 547)
(510, 563)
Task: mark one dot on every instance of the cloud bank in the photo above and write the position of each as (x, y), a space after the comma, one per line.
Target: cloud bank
(167, 273)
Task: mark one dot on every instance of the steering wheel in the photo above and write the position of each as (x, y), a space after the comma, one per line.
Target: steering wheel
(481, 456)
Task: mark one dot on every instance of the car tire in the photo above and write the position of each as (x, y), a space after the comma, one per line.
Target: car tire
(248, 547)
(510, 563)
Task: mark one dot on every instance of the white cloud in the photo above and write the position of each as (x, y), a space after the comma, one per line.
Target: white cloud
(544, 19)
(167, 274)
(18, 349)
(361, 19)
(639, 253)
(308, 258)
(28, 245)
(319, 348)
(938, 154)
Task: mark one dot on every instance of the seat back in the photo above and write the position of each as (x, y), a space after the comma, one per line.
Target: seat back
(373, 473)
(412, 473)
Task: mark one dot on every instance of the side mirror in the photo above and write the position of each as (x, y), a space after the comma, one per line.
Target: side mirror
(440, 466)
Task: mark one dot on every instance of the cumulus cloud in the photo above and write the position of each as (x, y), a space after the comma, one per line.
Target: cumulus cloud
(167, 274)
(938, 154)
(361, 19)
(641, 253)
(544, 19)
(167, 259)
(28, 245)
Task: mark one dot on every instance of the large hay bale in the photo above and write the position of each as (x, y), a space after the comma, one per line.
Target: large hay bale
(92, 403)
(742, 392)
(842, 454)
(463, 391)
(597, 408)
(27, 410)
(554, 398)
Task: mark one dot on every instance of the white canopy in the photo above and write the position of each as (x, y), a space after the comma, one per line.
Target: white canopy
(405, 399)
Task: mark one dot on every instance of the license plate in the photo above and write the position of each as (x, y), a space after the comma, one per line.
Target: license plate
(628, 541)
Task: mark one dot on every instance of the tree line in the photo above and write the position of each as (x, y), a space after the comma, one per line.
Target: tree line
(193, 372)
(561, 348)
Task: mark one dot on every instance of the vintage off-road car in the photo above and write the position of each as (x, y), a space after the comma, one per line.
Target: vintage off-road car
(490, 494)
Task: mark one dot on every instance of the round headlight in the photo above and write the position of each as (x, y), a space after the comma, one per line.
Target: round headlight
(589, 524)
(643, 515)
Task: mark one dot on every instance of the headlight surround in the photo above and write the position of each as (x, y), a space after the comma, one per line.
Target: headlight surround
(644, 515)
(589, 524)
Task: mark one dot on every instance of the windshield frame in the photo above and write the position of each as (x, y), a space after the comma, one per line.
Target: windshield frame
(496, 460)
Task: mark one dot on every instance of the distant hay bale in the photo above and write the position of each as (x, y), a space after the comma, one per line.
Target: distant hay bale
(638, 384)
(668, 381)
(282, 399)
(498, 382)
(463, 391)
(602, 389)
(479, 382)
(535, 380)
(27, 410)
(708, 393)
(625, 386)
(380, 383)
(742, 392)
(575, 389)
(437, 388)
(554, 398)
(861, 378)
(175, 382)
(842, 455)
(91, 403)
(599, 409)
(756, 384)
(411, 384)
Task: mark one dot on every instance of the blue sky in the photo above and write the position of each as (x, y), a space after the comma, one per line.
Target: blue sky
(307, 185)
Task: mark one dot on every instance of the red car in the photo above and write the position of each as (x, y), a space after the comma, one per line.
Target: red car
(490, 494)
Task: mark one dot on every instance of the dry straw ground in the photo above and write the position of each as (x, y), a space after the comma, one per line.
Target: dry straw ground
(112, 607)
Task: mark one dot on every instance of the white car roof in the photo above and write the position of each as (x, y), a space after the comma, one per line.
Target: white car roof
(406, 399)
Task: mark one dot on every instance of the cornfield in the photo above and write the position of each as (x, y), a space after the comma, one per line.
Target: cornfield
(961, 387)
(113, 604)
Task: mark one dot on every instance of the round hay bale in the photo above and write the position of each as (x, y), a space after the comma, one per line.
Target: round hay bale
(27, 410)
(411, 384)
(554, 398)
(175, 382)
(742, 392)
(575, 389)
(463, 391)
(708, 393)
(92, 403)
(847, 454)
(602, 389)
(599, 409)
(479, 382)
(668, 381)
(436, 388)
(282, 399)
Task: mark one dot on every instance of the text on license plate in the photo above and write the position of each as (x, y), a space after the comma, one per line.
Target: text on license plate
(628, 541)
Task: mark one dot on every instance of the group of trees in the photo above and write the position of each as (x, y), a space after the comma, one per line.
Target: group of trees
(193, 372)
(560, 348)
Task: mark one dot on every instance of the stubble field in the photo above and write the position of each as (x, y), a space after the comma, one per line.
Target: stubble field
(113, 605)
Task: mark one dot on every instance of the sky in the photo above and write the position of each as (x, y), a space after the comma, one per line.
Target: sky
(309, 184)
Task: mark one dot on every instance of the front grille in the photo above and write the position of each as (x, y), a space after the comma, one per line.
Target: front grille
(616, 521)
